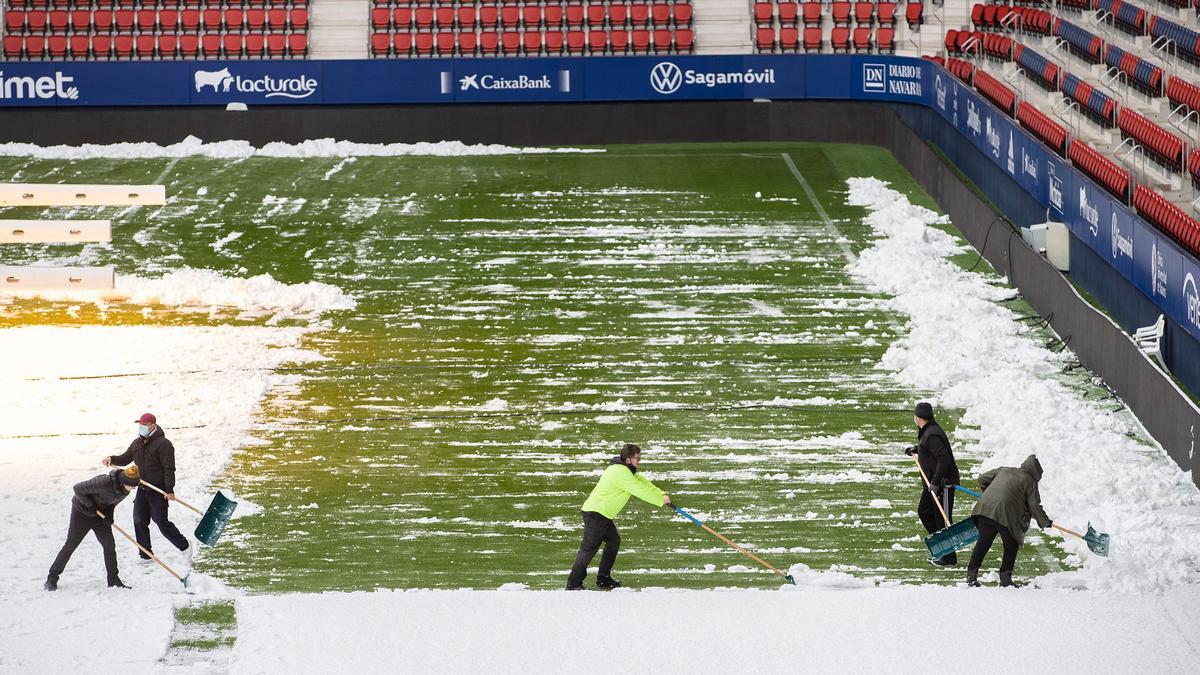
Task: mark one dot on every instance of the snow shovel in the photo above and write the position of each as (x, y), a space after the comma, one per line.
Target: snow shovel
(212, 521)
(739, 549)
(182, 579)
(951, 538)
(1097, 542)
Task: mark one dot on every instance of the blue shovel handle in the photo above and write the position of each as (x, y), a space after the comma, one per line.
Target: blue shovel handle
(970, 492)
(689, 516)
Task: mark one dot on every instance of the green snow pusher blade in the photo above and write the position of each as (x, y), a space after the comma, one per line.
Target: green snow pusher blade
(1096, 541)
(215, 518)
(951, 539)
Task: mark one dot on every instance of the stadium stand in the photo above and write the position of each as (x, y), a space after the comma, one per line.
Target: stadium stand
(484, 28)
(1194, 167)
(862, 27)
(155, 29)
(1139, 73)
(1095, 104)
(1161, 145)
(1168, 217)
(1001, 95)
(1039, 124)
(1183, 94)
(1037, 67)
(1184, 42)
(1083, 44)
(1106, 172)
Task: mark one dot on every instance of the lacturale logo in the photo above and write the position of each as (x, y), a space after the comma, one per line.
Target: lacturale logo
(223, 82)
(40, 88)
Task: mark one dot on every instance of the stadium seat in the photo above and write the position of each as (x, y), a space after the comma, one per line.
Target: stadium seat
(812, 40)
(992, 89)
(510, 17)
(862, 39)
(681, 13)
(885, 40)
(510, 42)
(660, 14)
(35, 47)
(381, 44)
(122, 47)
(840, 12)
(81, 21)
(402, 44)
(764, 13)
(596, 15)
(58, 23)
(210, 19)
(554, 41)
(552, 16)
(1114, 178)
(812, 14)
(662, 40)
(14, 22)
(445, 43)
(839, 39)
(188, 18)
(789, 39)
(489, 18)
(210, 45)
(254, 45)
(467, 16)
(423, 42)
(864, 13)
(189, 46)
(145, 46)
(574, 14)
(56, 46)
(423, 18)
(597, 41)
(1161, 145)
(885, 14)
(381, 18)
(468, 43)
(276, 20)
(443, 19)
(685, 41)
(1168, 217)
(639, 40)
(764, 39)
(231, 45)
(639, 15)
(576, 42)
(914, 14)
(618, 41)
(489, 43)
(81, 47)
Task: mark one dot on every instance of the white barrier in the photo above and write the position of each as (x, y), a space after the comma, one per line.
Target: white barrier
(36, 194)
(55, 231)
(16, 278)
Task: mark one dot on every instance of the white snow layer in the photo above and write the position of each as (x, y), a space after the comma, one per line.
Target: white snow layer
(323, 147)
(968, 349)
(989, 630)
(207, 289)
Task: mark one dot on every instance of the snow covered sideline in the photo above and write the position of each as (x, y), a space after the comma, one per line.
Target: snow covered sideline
(323, 147)
(207, 289)
(863, 631)
(968, 349)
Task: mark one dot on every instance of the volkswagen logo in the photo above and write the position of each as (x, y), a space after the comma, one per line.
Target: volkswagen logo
(666, 78)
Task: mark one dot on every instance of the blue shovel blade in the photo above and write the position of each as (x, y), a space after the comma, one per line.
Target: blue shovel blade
(951, 539)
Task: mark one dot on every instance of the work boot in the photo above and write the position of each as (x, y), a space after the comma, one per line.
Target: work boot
(143, 557)
(577, 587)
(51, 583)
(116, 583)
(1007, 580)
(973, 577)
(607, 583)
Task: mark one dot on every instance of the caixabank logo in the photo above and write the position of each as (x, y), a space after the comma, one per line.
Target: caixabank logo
(43, 88)
(488, 82)
(224, 81)
(668, 78)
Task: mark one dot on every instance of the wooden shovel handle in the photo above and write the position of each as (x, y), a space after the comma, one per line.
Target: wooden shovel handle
(1068, 531)
(177, 499)
(935, 499)
(143, 550)
(743, 551)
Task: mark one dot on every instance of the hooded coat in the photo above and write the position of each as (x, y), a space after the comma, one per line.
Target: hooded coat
(1011, 497)
(101, 493)
(155, 459)
(618, 482)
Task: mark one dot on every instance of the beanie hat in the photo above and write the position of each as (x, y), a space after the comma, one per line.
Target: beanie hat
(130, 476)
(924, 411)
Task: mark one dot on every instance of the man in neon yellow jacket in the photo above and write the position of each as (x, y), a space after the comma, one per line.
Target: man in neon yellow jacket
(617, 483)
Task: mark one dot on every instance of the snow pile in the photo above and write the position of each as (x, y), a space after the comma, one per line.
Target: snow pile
(807, 578)
(323, 147)
(860, 631)
(968, 349)
(207, 289)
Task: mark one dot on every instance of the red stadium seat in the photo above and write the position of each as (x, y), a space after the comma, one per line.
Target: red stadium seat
(618, 41)
(639, 15)
(59, 23)
(14, 22)
(914, 14)
(532, 42)
(660, 14)
(576, 42)
(423, 42)
(789, 13)
(510, 42)
(531, 16)
(681, 14)
(276, 20)
(552, 16)
(510, 18)
(168, 46)
(122, 47)
(597, 41)
(489, 42)
(231, 45)
(256, 20)
(812, 39)
(189, 46)
(639, 40)
(81, 21)
(764, 39)
(189, 18)
(255, 45)
(764, 14)
(489, 17)
(445, 43)
(885, 13)
(381, 18)
(381, 44)
(862, 39)
(885, 39)
(596, 13)
(839, 39)
(123, 21)
(662, 40)
(864, 13)
(147, 21)
(466, 19)
(443, 18)
(467, 43)
(789, 39)
(685, 40)
(840, 11)
(554, 40)
(35, 47)
(574, 16)
(618, 15)
(56, 46)
(168, 21)
(402, 44)
(210, 45)
(209, 18)
(145, 46)
(812, 13)
(81, 46)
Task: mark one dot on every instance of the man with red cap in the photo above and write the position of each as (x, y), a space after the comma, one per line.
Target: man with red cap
(155, 458)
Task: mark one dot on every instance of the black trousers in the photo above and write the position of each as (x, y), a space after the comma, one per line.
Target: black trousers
(149, 505)
(931, 517)
(78, 528)
(596, 530)
(988, 529)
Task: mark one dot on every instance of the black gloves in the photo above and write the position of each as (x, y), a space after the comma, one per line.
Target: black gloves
(108, 518)
(910, 450)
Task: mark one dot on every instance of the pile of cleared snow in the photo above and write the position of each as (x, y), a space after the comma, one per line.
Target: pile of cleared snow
(206, 289)
(323, 147)
(970, 351)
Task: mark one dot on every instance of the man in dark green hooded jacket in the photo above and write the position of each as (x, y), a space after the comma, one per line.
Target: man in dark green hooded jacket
(1010, 499)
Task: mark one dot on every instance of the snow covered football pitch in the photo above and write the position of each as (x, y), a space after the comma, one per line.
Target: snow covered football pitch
(448, 347)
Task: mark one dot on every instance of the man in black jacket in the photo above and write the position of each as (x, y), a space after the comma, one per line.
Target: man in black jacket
(937, 460)
(155, 458)
(92, 497)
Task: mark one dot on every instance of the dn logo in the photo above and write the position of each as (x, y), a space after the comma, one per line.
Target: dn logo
(873, 77)
(666, 78)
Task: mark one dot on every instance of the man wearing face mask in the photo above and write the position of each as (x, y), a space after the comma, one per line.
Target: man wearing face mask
(155, 458)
